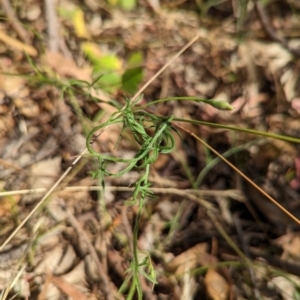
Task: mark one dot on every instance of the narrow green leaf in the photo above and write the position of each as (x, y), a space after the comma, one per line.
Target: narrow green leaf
(222, 105)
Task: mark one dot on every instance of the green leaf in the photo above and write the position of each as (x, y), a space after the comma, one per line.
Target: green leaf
(135, 59)
(107, 62)
(91, 50)
(109, 82)
(134, 74)
(127, 4)
(102, 62)
(131, 79)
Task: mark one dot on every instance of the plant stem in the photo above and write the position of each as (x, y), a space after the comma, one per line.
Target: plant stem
(136, 265)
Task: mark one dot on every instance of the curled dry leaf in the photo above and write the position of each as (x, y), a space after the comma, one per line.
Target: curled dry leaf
(216, 286)
(286, 286)
(67, 260)
(77, 276)
(68, 289)
(72, 284)
(51, 260)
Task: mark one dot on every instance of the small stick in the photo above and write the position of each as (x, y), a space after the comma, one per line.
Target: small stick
(52, 25)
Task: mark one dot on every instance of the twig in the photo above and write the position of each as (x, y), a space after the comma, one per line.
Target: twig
(246, 251)
(6, 5)
(52, 25)
(17, 44)
(270, 31)
(235, 194)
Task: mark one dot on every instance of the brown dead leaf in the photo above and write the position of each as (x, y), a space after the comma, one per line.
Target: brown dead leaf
(190, 259)
(289, 81)
(72, 283)
(296, 104)
(13, 86)
(290, 243)
(252, 107)
(67, 68)
(216, 286)
(271, 55)
(77, 276)
(284, 147)
(67, 260)
(33, 12)
(68, 289)
(27, 107)
(51, 260)
(155, 5)
(286, 286)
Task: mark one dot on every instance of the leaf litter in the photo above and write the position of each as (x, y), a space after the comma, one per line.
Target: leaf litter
(257, 76)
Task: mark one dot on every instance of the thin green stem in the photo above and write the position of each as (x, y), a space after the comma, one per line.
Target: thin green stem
(241, 129)
(217, 125)
(132, 290)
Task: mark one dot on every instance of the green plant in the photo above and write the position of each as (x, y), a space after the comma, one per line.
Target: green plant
(153, 134)
(151, 145)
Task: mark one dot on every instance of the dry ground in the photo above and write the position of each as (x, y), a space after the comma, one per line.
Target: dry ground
(210, 235)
